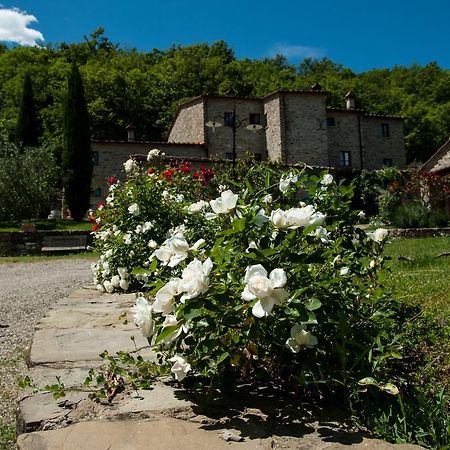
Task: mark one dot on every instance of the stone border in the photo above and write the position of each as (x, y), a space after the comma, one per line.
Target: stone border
(21, 243)
(419, 232)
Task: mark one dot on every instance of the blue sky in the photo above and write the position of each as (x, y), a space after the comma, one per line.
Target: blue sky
(360, 34)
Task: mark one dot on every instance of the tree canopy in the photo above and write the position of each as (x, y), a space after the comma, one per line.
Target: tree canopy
(125, 86)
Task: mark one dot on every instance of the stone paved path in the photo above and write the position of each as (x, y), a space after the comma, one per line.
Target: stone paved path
(66, 345)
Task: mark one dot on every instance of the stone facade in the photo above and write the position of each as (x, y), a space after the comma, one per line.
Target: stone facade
(297, 127)
(292, 127)
(190, 126)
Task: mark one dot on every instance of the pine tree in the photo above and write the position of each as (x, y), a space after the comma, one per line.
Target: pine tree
(77, 154)
(27, 128)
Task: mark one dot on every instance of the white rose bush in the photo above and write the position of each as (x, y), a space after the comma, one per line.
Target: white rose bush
(270, 284)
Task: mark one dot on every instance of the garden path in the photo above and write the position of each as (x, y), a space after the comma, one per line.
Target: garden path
(67, 343)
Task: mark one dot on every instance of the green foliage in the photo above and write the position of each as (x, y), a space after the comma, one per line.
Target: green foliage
(27, 128)
(124, 86)
(27, 182)
(77, 155)
(417, 215)
(7, 436)
(123, 370)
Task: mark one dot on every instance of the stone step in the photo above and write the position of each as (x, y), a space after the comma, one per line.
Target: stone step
(173, 434)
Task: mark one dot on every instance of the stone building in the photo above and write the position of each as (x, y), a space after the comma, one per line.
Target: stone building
(288, 126)
(295, 127)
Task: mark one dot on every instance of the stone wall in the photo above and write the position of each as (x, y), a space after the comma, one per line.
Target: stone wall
(112, 155)
(273, 130)
(377, 147)
(189, 123)
(306, 129)
(20, 243)
(220, 140)
(343, 136)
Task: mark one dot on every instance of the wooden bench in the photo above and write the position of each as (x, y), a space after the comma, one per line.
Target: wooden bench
(64, 243)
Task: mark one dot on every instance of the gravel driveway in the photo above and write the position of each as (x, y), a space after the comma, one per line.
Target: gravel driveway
(26, 292)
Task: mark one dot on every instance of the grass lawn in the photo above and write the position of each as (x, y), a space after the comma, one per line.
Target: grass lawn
(45, 224)
(423, 278)
(37, 258)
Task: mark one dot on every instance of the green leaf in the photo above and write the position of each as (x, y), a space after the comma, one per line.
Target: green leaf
(368, 381)
(222, 357)
(139, 271)
(165, 333)
(313, 304)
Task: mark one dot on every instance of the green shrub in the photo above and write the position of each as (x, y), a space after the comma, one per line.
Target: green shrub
(27, 182)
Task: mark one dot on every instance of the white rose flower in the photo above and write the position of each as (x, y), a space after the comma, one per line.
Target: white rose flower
(123, 272)
(279, 218)
(179, 198)
(225, 203)
(322, 234)
(153, 154)
(130, 165)
(195, 279)
(165, 194)
(165, 297)
(180, 368)
(372, 263)
(173, 250)
(196, 207)
(286, 181)
(115, 281)
(379, 235)
(127, 239)
(142, 315)
(267, 199)
(100, 287)
(327, 180)
(300, 337)
(152, 243)
(362, 215)
(134, 209)
(303, 217)
(138, 229)
(108, 286)
(110, 199)
(124, 284)
(344, 271)
(268, 290)
(147, 226)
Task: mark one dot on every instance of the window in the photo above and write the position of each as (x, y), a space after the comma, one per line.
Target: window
(98, 192)
(228, 118)
(95, 158)
(387, 162)
(254, 119)
(229, 155)
(385, 132)
(331, 122)
(345, 159)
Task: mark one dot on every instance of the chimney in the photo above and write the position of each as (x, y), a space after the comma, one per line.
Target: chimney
(350, 100)
(130, 130)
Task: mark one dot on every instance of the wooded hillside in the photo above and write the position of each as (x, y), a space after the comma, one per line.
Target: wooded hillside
(124, 86)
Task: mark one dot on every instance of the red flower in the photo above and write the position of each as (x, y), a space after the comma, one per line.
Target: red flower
(168, 173)
(95, 226)
(150, 170)
(111, 180)
(185, 167)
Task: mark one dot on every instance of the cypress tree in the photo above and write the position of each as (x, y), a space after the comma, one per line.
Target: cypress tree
(77, 154)
(27, 128)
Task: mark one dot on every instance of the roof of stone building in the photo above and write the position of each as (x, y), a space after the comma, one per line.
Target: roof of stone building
(111, 141)
(440, 161)
(364, 113)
